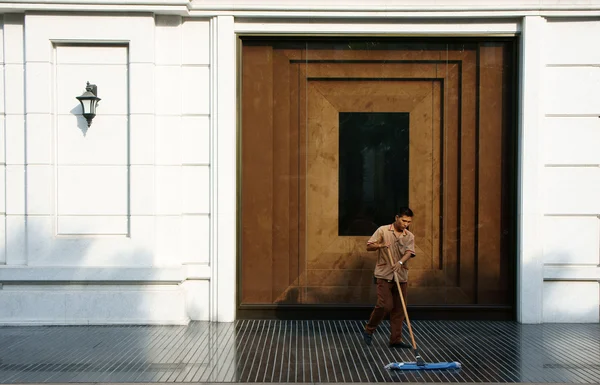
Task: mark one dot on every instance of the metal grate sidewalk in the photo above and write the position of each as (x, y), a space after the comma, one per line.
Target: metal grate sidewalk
(297, 351)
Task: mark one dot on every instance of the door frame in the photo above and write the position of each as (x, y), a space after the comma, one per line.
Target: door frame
(287, 311)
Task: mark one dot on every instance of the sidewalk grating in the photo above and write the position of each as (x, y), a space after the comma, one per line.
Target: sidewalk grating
(271, 351)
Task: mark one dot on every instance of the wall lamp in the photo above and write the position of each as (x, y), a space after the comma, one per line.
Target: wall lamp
(89, 102)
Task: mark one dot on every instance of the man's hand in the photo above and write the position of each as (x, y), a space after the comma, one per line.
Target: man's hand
(397, 267)
(384, 245)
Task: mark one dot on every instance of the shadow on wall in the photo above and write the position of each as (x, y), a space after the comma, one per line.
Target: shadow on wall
(81, 121)
(86, 280)
(554, 293)
(120, 353)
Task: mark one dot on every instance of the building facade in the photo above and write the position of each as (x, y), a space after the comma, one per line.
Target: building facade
(140, 217)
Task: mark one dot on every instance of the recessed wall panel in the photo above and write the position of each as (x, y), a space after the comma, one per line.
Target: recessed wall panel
(581, 298)
(564, 43)
(572, 90)
(92, 163)
(571, 140)
(572, 190)
(1, 87)
(578, 241)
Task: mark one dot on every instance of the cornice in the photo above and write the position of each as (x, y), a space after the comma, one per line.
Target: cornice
(347, 9)
(394, 8)
(179, 7)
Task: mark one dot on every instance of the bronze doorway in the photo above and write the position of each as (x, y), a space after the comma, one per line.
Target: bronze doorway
(336, 135)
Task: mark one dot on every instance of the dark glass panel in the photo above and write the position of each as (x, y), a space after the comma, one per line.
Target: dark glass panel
(373, 169)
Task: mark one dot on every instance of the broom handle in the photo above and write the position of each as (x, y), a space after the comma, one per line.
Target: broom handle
(412, 337)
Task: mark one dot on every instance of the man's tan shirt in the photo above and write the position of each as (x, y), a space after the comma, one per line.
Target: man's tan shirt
(399, 244)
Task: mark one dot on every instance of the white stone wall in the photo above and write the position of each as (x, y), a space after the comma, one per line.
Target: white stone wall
(133, 220)
(571, 156)
(106, 224)
(2, 151)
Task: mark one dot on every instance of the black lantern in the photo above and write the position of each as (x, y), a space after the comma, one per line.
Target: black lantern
(89, 102)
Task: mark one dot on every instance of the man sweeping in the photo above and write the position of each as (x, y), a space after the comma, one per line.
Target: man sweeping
(401, 245)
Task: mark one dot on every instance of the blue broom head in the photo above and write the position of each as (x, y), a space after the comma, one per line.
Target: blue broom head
(427, 366)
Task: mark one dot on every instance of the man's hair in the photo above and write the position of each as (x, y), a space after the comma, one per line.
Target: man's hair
(405, 211)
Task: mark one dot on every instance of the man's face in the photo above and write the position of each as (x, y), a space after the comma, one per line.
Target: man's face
(402, 222)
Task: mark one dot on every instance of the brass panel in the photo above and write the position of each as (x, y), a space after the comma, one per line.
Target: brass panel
(326, 250)
(257, 176)
(491, 285)
(459, 183)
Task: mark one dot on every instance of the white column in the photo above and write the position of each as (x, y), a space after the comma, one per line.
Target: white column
(14, 132)
(223, 170)
(2, 152)
(530, 212)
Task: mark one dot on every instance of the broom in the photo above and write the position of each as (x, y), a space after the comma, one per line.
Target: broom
(419, 363)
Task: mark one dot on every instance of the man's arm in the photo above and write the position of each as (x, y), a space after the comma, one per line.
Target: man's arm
(408, 255)
(375, 246)
(410, 250)
(376, 241)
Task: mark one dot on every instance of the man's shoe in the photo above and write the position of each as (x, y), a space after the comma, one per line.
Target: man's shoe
(367, 337)
(401, 345)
